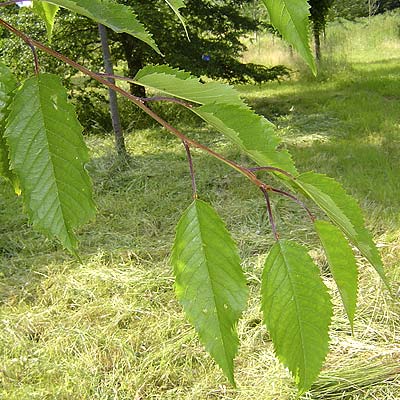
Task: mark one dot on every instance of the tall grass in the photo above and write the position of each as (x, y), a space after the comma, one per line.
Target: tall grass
(110, 328)
(343, 44)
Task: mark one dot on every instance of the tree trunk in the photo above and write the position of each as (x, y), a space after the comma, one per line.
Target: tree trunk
(317, 45)
(116, 122)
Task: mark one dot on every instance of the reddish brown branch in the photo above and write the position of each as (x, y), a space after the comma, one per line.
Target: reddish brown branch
(296, 200)
(270, 215)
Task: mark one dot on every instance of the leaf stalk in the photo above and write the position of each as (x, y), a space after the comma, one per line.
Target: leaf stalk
(191, 168)
(270, 215)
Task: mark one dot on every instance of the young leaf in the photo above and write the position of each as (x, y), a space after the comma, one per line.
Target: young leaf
(48, 154)
(117, 17)
(297, 311)
(225, 110)
(344, 212)
(210, 283)
(290, 18)
(7, 85)
(176, 5)
(342, 264)
(47, 12)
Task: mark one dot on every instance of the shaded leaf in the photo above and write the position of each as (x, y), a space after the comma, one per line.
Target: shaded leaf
(297, 311)
(290, 18)
(344, 212)
(118, 17)
(209, 281)
(47, 12)
(342, 264)
(48, 154)
(8, 84)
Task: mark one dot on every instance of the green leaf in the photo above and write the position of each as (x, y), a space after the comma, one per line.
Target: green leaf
(117, 17)
(290, 18)
(344, 212)
(342, 264)
(7, 78)
(47, 12)
(251, 132)
(181, 84)
(297, 311)
(209, 281)
(48, 154)
(223, 108)
(176, 5)
(8, 84)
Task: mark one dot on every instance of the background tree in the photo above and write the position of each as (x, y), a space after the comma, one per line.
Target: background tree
(115, 118)
(387, 5)
(319, 10)
(351, 9)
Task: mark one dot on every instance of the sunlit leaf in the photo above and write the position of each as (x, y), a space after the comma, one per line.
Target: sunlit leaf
(297, 311)
(48, 154)
(344, 212)
(209, 281)
(251, 132)
(176, 5)
(181, 84)
(47, 12)
(342, 264)
(290, 18)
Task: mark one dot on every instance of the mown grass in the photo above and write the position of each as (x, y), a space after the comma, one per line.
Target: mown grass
(110, 328)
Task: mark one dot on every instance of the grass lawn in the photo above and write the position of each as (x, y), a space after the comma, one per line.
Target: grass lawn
(111, 328)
